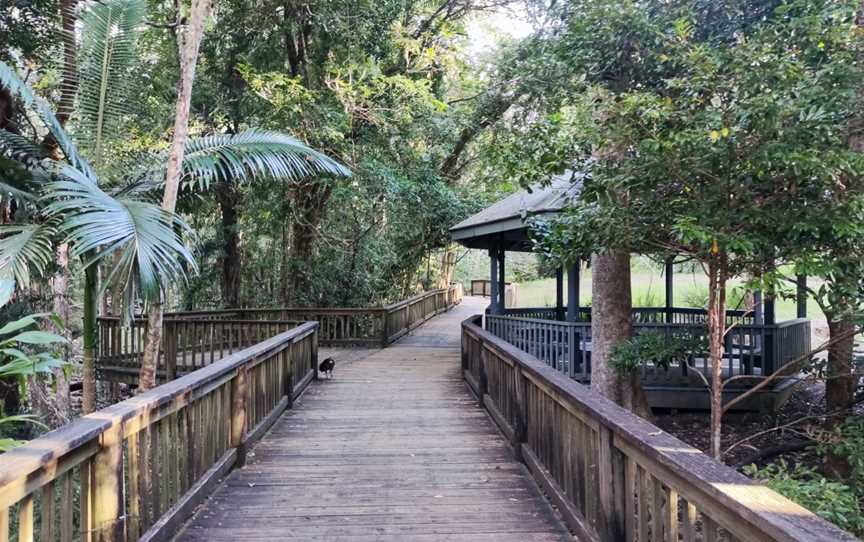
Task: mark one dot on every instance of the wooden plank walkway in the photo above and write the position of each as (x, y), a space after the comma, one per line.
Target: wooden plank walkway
(392, 448)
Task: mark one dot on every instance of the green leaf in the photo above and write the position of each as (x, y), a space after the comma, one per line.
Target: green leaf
(252, 154)
(108, 52)
(150, 250)
(18, 324)
(38, 337)
(25, 248)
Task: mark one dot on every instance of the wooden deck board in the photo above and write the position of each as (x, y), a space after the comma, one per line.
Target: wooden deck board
(392, 448)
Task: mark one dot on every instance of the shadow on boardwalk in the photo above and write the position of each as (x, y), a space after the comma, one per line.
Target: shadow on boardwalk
(392, 448)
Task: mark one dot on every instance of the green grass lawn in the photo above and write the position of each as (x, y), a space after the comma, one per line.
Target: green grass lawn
(648, 290)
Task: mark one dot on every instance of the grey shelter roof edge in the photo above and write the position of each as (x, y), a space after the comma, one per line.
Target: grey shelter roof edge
(503, 224)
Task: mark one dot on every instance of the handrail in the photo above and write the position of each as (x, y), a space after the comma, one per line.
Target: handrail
(612, 474)
(678, 315)
(564, 345)
(137, 469)
(193, 339)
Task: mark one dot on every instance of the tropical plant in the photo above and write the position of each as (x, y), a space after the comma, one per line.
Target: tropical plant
(22, 355)
(106, 213)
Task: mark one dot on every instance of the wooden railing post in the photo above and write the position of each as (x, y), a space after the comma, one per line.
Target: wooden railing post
(484, 382)
(107, 489)
(385, 327)
(520, 429)
(239, 395)
(610, 476)
(170, 351)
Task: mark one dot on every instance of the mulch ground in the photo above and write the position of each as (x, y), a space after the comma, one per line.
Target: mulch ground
(693, 427)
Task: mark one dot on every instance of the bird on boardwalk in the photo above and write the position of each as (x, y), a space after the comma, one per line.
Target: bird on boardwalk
(326, 367)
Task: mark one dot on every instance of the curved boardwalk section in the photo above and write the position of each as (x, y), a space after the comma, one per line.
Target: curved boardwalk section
(392, 448)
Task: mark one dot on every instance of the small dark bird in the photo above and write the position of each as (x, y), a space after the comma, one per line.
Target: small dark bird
(326, 367)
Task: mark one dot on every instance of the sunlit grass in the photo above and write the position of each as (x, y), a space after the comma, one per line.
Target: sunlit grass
(648, 290)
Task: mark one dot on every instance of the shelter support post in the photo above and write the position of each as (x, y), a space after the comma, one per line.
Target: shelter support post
(573, 292)
(670, 289)
(502, 283)
(559, 293)
(493, 280)
(801, 297)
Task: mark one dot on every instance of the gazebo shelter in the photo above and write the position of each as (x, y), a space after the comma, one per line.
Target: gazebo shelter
(756, 344)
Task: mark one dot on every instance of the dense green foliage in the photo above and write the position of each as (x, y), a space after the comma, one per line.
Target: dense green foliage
(385, 90)
(658, 348)
(834, 501)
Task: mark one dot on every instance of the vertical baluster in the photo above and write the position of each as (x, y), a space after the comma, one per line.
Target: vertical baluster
(211, 331)
(157, 459)
(133, 518)
(47, 515)
(66, 514)
(25, 519)
(630, 479)
(4, 525)
(710, 530)
(689, 522)
(644, 519)
(86, 513)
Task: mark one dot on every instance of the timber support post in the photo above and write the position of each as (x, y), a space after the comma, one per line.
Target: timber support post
(106, 490)
(801, 296)
(520, 429)
(484, 382)
(573, 291)
(239, 395)
(670, 289)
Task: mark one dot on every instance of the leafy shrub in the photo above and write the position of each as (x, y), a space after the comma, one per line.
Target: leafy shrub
(847, 442)
(833, 501)
(661, 349)
(22, 353)
(647, 298)
(696, 296)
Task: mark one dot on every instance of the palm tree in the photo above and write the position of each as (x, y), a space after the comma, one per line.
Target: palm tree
(65, 198)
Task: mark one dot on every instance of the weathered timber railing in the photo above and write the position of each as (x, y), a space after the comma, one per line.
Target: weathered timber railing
(753, 350)
(188, 343)
(613, 475)
(374, 326)
(136, 470)
(643, 315)
(191, 340)
(483, 288)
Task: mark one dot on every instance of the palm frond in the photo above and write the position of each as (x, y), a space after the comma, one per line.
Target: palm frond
(250, 154)
(10, 80)
(147, 238)
(110, 31)
(25, 248)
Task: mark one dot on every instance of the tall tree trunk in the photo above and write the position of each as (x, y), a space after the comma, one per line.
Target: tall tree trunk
(189, 42)
(717, 276)
(285, 264)
(840, 385)
(91, 288)
(60, 306)
(611, 314)
(304, 239)
(309, 200)
(229, 198)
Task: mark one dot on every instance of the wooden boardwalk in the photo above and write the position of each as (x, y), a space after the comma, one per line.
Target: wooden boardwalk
(394, 447)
